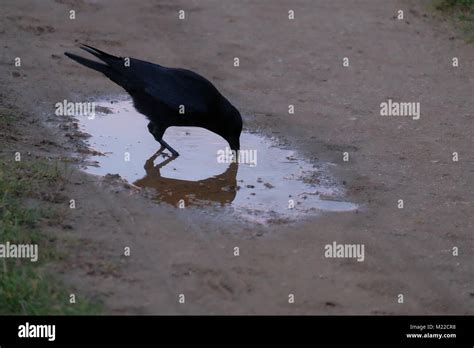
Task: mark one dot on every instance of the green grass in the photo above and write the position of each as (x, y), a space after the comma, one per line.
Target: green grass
(466, 4)
(462, 11)
(27, 289)
(25, 205)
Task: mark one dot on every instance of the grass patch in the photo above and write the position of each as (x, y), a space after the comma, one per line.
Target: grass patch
(462, 11)
(27, 289)
(27, 202)
(449, 4)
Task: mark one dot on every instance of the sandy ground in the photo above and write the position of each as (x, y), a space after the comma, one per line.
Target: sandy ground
(282, 62)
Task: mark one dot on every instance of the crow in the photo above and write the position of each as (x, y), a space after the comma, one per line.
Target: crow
(169, 96)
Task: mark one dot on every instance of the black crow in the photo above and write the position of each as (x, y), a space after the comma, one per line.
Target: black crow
(169, 96)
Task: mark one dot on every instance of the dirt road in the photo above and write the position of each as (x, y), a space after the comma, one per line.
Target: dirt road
(191, 251)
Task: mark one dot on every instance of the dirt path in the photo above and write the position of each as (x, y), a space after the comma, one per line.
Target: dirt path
(282, 62)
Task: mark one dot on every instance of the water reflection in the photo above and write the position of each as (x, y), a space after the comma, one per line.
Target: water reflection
(281, 183)
(220, 189)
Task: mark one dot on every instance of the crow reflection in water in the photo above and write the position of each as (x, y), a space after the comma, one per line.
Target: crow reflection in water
(217, 189)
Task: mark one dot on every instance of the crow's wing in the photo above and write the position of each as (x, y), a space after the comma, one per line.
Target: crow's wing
(175, 87)
(169, 86)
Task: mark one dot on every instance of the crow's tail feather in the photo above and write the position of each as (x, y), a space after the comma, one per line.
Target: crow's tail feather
(113, 67)
(88, 63)
(104, 56)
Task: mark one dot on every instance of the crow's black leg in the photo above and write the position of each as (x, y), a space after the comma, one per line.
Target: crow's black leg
(157, 133)
(165, 144)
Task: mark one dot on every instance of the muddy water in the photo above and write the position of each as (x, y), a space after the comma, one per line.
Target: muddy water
(274, 183)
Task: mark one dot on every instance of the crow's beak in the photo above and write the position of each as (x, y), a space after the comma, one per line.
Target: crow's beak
(234, 143)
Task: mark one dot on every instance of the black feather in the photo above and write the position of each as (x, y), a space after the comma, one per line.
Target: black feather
(160, 93)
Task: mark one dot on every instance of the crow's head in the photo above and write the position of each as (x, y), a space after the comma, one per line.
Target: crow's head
(231, 124)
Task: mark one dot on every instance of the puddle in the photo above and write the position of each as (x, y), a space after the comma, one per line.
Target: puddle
(260, 191)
